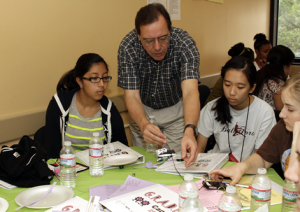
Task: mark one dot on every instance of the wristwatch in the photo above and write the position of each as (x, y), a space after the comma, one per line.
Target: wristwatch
(194, 129)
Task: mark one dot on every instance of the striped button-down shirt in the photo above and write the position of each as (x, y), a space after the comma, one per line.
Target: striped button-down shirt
(159, 82)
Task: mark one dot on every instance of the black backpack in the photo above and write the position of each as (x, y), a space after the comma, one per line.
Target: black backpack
(24, 164)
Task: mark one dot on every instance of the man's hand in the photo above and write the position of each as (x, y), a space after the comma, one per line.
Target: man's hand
(153, 135)
(189, 143)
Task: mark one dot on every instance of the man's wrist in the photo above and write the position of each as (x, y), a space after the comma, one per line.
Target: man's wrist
(189, 131)
(190, 128)
(144, 124)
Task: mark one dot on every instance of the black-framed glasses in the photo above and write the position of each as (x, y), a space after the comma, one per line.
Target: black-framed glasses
(98, 79)
(161, 40)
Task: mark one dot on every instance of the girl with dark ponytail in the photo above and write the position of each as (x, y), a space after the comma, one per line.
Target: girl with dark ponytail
(80, 108)
(239, 121)
(262, 46)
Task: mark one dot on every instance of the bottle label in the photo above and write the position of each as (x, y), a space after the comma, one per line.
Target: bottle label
(181, 200)
(96, 152)
(67, 162)
(261, 195)
(290, 196)
(220, 210)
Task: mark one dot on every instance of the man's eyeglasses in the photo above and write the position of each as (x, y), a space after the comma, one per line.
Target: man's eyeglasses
(97, 79)
(161, 40)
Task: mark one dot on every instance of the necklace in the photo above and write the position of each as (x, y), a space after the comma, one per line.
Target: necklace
(244, 134)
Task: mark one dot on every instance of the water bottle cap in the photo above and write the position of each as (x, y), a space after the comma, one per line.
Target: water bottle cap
(96, 134)
(261, 171)
(289, 181)
(67, 143)
(188, 177)
(230, 189)
(151, 116)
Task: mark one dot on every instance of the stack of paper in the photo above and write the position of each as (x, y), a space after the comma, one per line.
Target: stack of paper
(152, 198)
(135, 194)
(6, 185)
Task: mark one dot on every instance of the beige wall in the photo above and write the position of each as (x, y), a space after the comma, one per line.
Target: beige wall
(40, 40)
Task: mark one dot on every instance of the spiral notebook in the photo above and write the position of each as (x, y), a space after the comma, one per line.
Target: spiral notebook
(204, 163)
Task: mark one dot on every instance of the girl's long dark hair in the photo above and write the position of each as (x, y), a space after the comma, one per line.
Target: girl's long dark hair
(238, 63)
(83, 65)
(278, 57)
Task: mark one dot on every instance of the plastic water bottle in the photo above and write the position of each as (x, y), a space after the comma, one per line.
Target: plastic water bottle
(289, 196)
(230, 201)
(192, 204)
(96, 158)
(261, 191)
(67, 166)
(151, 147)
(187, 188)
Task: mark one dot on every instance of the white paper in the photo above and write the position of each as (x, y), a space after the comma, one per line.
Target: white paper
(93, 205)
(277, 188)
(263, 208)
(163, 2)
(174, 9)
(71, 205)
(6, 185)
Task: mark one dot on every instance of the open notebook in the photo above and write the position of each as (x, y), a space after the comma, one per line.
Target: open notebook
(112, 149)
(205, 163)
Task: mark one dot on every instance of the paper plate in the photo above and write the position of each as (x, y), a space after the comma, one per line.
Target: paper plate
(58, 195)
(3, 205)
(119, 160)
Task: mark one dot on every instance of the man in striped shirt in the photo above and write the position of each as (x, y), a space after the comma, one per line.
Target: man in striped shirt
(158, 69)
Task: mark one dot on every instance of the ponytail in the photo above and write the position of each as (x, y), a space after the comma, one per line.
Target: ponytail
(222, 110)
(67, 81)
(83, 65)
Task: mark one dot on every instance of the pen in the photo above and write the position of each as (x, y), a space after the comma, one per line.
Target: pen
(240, 185)
(244, 186)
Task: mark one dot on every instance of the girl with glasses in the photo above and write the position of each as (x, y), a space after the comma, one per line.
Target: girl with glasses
(80, 108)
